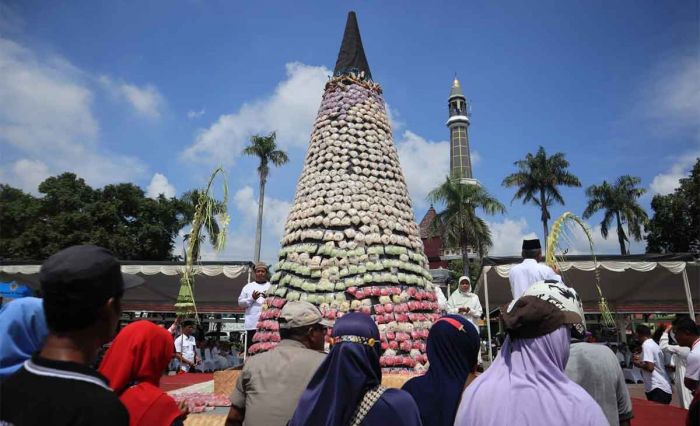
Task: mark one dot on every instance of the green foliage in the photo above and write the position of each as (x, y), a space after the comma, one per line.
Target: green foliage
(458, 223)
(265, 148)
(118, 217)
(619, 202)
(675, 226)
(537, 179)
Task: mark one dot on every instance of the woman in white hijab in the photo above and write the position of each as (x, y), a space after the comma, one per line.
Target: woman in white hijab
(464, 302)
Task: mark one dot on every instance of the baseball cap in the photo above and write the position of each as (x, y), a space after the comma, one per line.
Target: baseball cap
(84, 274)
(260, 265)
(301, 314)
(544, 307)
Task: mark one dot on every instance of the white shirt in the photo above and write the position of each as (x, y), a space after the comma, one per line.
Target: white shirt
(657, 379)
(679, 360)
(186, 346)
(527, 273)
(693, 369)
(252, 307)
(465, 300)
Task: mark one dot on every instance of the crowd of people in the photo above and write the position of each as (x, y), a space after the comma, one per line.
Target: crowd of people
(545, 374)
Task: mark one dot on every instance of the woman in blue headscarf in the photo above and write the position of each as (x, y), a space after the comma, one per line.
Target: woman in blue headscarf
(453, 347)
(23, 330)
(346, 387)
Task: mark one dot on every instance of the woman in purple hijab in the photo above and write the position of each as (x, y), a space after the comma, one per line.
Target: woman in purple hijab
(526, 384)
(453, 349)
(346, 387)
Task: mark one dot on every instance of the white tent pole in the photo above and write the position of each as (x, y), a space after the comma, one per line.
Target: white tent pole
(688, 295)
(488, 312)
(245, 344)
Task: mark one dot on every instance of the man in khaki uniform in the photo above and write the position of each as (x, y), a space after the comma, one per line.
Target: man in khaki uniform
(271, 383)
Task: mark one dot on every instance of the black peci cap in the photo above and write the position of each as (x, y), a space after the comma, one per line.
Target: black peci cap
(84, 274)
(532, 244)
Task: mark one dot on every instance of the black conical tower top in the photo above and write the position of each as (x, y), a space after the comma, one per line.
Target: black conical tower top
(351, 57)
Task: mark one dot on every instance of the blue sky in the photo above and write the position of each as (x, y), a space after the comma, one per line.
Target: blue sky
(160, 92)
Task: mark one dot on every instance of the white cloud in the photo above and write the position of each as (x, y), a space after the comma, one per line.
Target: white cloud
(274, 218)
(394, 118)
(666, 183)
(507, 236)
(160, 185)
(26, 174)
(577, 242)
(46, 117)
(676, 91)
(146, 101)
(290, 110)
(275, 211)
(195, 114)
(424, 163)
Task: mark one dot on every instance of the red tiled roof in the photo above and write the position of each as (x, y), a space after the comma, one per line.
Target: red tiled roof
(425, 223)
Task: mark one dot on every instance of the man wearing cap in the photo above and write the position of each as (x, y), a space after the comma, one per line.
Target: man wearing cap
(530, 271)
(252, 298)
(463, 302)
(271, 383)
(82, 288)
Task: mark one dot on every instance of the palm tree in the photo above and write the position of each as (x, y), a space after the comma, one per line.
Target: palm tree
(537, 179)
(619, 202)
(458, 223)
(265, 148)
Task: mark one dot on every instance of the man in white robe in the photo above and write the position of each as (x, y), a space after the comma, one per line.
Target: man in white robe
(530, 271)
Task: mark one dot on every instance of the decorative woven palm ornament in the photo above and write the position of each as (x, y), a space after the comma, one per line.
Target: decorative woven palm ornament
(351, 242)
(560, 237)
(205, 217)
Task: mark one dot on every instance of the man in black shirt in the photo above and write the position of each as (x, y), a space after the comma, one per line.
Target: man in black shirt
(82, 288)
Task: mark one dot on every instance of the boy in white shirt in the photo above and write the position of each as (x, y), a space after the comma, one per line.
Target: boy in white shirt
(186, 348)
(657, 385)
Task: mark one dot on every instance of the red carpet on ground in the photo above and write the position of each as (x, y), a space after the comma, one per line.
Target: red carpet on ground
(648, 413)
(168, 383)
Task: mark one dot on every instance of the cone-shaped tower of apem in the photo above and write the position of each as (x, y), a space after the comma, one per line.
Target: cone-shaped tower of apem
(351, 241)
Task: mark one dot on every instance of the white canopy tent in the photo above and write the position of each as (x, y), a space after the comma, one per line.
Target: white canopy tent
(630, 284)
(216, 289)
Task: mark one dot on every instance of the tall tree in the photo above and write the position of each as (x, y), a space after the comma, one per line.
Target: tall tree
(68, 211)
(675, 226)
(458, 223)
(538, 178)
(619, 202)
(265, 148)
